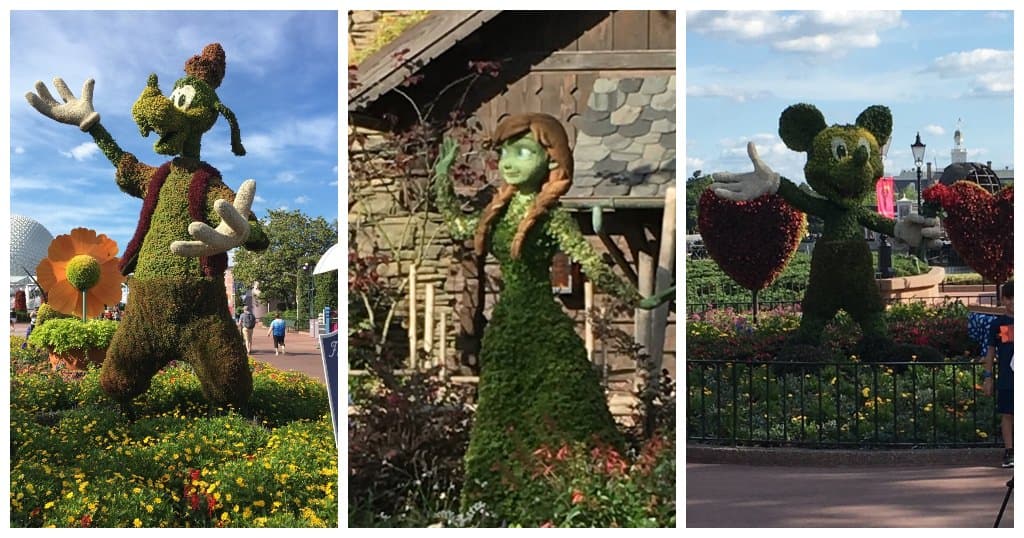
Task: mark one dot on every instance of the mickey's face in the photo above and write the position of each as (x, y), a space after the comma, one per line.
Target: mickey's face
(843, 164)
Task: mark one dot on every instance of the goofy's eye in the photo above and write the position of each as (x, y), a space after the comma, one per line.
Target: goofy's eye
(863, 143)
(839, 148)
(525, 152)
(182, 97)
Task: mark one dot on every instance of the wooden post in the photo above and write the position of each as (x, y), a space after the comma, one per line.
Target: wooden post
(642, 323)
(412, 316)
(428, 319)
(663, 280)
(442, 356)
(588, 325)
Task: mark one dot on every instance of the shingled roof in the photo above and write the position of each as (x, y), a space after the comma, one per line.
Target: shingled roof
(626, 142)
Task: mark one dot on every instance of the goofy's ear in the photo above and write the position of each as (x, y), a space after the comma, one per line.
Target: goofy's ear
(799, 124)
(236, 135)
(877, 119)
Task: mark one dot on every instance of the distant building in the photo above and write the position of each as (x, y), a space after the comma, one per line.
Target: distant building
(959, 169)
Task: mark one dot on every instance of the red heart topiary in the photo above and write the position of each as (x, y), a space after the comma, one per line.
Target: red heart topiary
(751, 241)
(979, 225)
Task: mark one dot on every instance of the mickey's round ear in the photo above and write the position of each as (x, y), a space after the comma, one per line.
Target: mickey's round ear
(799, 124)
(236, 134)
(877, 119)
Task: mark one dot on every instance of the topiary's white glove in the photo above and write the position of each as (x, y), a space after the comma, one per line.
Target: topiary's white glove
(914, 228)
(232, 231)
(73, 111)
(749, 185)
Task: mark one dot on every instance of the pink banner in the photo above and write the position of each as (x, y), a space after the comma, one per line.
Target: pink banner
(885, 197)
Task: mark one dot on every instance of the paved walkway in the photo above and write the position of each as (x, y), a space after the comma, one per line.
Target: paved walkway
(733, 495)
(302, 355)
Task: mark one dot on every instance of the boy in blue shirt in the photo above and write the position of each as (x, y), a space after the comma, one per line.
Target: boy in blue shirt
(277, 327)
(1000, 344)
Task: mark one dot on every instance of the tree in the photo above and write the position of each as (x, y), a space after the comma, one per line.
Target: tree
(295, 238)
(694, 187)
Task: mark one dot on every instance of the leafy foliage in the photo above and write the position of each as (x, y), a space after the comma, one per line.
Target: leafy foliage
(62, 335)
(979, 225)
(294, 238)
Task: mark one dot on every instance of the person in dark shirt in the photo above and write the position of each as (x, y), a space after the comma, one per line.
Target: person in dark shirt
(1000, 344)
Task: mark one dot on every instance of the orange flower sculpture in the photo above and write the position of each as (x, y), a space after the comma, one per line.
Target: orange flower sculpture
(77, 263)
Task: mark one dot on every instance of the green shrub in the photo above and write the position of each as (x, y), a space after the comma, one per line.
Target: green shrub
(63, 335)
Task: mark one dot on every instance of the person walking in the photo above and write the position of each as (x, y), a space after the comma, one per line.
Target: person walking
(277, 328)
(1000, 344)
(247, 321)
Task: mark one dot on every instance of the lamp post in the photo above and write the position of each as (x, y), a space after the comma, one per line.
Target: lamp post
(308, 269)
(918, 148)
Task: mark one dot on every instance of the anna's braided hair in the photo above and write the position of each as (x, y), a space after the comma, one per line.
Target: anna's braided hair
(550, 134)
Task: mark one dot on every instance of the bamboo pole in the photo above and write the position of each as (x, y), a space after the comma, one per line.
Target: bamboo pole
(663, 280)
(588, 325)
(412, 316)
(428, 319)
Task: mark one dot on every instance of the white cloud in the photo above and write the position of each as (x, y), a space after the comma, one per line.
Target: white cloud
(933, 129)
(259, 199)
(694, 162)
(815, 33)
(286, 176)
(990, 71)
(19, 150)
(283, 207)
(317, 133)
(302, 199)
(739, 95)
(83, 151)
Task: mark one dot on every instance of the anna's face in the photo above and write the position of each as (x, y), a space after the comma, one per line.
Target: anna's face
(523, 162)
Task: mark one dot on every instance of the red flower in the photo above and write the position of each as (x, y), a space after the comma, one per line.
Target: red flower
(577, 496)
(194, 473)
(193, 501)
(86, 520)
(547, 525)
(750, 241)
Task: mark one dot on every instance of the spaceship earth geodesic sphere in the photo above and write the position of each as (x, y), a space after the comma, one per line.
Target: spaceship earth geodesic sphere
(29, 243)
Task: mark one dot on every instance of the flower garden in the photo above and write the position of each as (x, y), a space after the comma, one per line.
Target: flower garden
(76, 461)
(742, 394)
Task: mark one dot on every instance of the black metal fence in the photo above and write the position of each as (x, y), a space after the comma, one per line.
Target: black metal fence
(700, 309)
(814, 404)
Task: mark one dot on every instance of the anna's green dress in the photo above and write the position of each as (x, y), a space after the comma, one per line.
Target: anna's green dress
(537, 386)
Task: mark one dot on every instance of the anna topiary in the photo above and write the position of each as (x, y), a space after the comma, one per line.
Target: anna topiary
(843, 164)
(537, 386)
(177, 308)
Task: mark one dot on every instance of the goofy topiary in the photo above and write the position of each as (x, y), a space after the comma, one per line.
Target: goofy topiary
(843, 164)
(178, 308)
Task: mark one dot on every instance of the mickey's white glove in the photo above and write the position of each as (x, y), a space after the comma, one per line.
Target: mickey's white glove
(749, 185)
(915, 228)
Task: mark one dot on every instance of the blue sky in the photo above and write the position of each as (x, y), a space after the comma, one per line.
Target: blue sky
(931, 68)
(281, 82)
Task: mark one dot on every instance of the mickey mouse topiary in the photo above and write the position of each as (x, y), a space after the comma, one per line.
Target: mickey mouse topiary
(843, 163)
(178, 308)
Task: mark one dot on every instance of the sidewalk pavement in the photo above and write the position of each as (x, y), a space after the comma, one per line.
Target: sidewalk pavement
(302, 355)
(737, 495)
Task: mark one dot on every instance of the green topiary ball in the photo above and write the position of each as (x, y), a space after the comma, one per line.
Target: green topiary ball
(83, 272)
